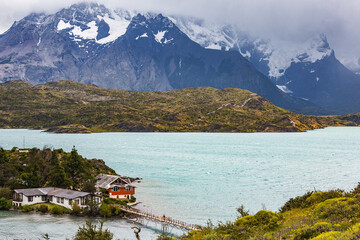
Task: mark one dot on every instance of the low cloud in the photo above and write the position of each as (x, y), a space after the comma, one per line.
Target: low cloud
(280, 20)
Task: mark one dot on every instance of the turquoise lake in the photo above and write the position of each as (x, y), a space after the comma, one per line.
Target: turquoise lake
(199, 176)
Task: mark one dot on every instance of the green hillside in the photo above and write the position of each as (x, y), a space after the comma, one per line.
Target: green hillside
(67, 106)
(331, 215)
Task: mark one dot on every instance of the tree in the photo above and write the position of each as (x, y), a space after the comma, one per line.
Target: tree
(89, 231)
(105, 210)
(5, 204)
(74, 166)
(89, 186)
(5, 192)
(58, 178)
(33, 179)
(3, 157)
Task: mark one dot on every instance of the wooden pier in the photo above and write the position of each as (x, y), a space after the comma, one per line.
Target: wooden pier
(162, 219)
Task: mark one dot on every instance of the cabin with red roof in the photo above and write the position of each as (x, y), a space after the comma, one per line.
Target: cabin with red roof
(118, 187)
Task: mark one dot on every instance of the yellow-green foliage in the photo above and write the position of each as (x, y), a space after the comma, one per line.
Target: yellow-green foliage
(319, 197)
(350, 234)
(338, 209)
(321, 215)
(309, 232)
(265, 220)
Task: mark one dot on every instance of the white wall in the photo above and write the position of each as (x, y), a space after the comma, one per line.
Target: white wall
(65, 203)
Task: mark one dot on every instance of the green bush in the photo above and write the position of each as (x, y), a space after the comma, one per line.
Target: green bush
(319, 197)
(132, 199)
(5, 192)
(309, 232)
(105, 210)
(26, 208)
(298, 202)
(351, 233)
(90, 232)
(122, 202)
(338, 209)
(115, 210)
(266, 220)
(75, 209)
(43, 208)
(5, 204)
(57, 210)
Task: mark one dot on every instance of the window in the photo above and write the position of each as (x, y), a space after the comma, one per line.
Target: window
(30, 199)
(43, 198)
(77, 202)
(70, 201)
(62, 200)
(57, 199)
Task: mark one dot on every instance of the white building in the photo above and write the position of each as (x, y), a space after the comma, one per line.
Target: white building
(58, 196)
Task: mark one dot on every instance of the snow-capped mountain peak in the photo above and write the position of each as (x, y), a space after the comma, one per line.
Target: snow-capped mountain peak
(94, 22)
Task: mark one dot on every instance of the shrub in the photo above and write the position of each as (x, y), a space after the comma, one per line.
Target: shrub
(75, 209)
(115, 210)
(319, 197)
(266, 220)
(5, 204)
(43, 208)
(5, 192)
(309, 232)
(298, 202)
(105, 210)
(242, 211)
(132, 199)
(90, 232)
(57, 210)
(26, 208)
(351, 233)
(338, 209)
(166, 236)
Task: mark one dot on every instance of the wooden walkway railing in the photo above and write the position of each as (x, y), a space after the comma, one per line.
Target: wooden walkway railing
(162, 219)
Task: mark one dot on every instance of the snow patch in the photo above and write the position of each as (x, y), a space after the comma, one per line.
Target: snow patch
(63, 25)
(118, 24)
(160, 36)
(166, 41)
(214, 46)
(142, 36)
(209, 35)
(309, 52)
(284, 89)
(90, 33)
(247, 54)
(118, 27)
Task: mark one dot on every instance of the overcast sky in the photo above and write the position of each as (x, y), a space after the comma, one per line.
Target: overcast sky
(283, 20)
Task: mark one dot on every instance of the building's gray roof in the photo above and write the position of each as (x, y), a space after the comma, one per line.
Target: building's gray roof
(104, 180)
(56, 192)
(34, 191)
(65, 193)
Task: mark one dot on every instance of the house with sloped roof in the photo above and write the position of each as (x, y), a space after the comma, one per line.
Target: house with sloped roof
(118, 187)
(58, 196)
